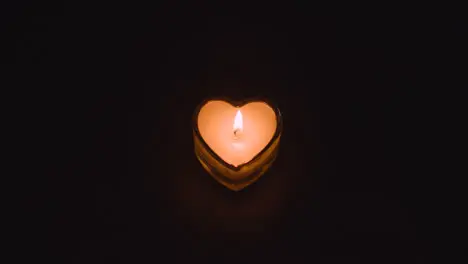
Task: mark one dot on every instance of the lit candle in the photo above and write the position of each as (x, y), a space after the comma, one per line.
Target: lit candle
(237, 143)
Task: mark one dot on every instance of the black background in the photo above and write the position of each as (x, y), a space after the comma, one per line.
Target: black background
(110, 92)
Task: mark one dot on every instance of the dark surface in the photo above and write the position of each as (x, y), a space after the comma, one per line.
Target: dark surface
(113, 90)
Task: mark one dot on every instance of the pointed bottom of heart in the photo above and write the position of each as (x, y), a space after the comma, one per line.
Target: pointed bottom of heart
(236, 183)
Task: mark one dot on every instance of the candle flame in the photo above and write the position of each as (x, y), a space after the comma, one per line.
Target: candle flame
(238, 124)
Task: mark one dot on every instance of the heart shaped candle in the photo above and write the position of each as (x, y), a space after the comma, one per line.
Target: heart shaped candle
(236, 143)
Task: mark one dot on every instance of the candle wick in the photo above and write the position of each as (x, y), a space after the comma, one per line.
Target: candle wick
(235, 133)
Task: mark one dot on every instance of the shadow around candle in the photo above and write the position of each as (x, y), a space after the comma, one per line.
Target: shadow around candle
(212, 210)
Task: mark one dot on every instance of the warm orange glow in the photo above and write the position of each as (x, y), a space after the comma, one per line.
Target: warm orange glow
(222, 127)
(238, 125)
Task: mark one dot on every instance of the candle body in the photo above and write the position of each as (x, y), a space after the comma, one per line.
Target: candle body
(236, 159)
(215, 123)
